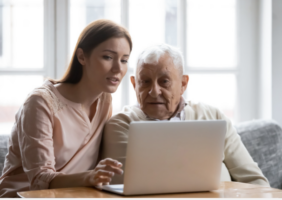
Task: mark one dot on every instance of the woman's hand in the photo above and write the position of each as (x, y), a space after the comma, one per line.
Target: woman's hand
(104, 171)
(102, 174)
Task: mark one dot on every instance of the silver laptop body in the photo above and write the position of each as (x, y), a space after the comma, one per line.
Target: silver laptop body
(172, 157)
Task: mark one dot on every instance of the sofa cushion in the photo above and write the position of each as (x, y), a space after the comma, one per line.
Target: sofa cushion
(263, 139)
(3, 150)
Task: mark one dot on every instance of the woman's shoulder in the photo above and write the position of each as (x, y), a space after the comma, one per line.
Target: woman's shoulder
(44, 95)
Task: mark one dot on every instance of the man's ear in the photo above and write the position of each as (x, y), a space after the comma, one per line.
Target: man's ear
(132, 79)
(80, 56)
(185, 80)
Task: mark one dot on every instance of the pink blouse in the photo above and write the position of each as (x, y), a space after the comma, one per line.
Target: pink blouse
(51, 135)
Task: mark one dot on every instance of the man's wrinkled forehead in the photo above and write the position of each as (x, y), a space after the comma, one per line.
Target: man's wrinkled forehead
(164, 66)
(149, 69)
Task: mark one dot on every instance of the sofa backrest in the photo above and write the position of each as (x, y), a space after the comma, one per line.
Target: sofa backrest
(3, 150)
(263, 139)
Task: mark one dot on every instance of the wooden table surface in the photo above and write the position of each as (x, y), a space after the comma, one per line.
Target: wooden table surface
(226, 190)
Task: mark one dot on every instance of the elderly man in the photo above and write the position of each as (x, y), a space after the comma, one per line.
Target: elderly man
(159, 85)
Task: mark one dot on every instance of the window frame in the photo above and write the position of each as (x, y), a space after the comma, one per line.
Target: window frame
(56, 38)
(47, 70)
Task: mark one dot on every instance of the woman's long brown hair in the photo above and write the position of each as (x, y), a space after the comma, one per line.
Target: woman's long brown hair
(92, 35)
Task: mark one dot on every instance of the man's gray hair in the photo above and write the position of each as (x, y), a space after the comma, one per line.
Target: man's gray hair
(152, 54)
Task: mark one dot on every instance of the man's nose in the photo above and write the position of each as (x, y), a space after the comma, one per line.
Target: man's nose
(155, 90)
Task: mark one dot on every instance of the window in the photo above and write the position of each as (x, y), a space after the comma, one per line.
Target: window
(158, 25)
(37, 39)
(212, 53)
(210, 50)
(84, 12)
(21, 55)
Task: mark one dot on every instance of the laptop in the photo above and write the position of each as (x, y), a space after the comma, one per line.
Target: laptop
(172, 157)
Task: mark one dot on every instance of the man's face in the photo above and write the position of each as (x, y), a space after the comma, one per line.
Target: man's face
(159, 88)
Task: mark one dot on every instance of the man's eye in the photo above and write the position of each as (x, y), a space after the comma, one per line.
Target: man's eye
(145, 81)
(165, 81)
(107, 57)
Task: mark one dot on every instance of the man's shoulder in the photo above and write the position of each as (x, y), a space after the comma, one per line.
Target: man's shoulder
(200, 109)
(128, 114)
(200, 106)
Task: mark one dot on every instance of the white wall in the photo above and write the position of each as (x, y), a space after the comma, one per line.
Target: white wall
(265, 67)
(277, 60)
(270, 58)
(247, 60)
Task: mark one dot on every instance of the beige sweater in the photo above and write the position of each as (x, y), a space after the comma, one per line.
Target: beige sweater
(236, 162)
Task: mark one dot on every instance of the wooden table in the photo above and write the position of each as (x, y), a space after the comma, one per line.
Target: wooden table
(226, 190)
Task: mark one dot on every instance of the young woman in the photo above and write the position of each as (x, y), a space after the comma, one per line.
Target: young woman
(56, 137)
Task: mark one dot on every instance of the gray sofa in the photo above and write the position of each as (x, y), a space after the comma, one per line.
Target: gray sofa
(262, 138)
(3, 150)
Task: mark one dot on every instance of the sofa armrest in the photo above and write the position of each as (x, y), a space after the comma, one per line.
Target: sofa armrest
(263, 140)
(4, 139)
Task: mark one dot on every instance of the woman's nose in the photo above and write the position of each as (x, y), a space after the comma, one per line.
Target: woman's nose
(117, 67)
(155, 91)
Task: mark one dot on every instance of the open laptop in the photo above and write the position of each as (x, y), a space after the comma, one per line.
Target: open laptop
(172, 157)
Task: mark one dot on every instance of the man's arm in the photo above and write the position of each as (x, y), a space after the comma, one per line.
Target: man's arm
(238, 161)
(114, 141)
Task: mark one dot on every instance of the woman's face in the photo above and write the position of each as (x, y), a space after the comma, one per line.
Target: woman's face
(106, 65)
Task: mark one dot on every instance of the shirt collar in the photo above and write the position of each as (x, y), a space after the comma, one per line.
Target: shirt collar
(180, 107)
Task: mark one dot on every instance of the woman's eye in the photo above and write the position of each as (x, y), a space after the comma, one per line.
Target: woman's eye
(107, 57)
(124, 61)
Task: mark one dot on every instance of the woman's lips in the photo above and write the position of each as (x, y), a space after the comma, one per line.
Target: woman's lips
(113, 80)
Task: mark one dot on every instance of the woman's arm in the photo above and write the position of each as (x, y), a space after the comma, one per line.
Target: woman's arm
(102, 174)
(35, 133)
(35, 136)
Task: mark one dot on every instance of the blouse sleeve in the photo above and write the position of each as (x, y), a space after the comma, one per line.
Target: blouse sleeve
(36, 142)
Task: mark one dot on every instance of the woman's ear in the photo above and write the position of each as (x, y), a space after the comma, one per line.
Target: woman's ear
(132, 79)
(80, 56)
(185, 80)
